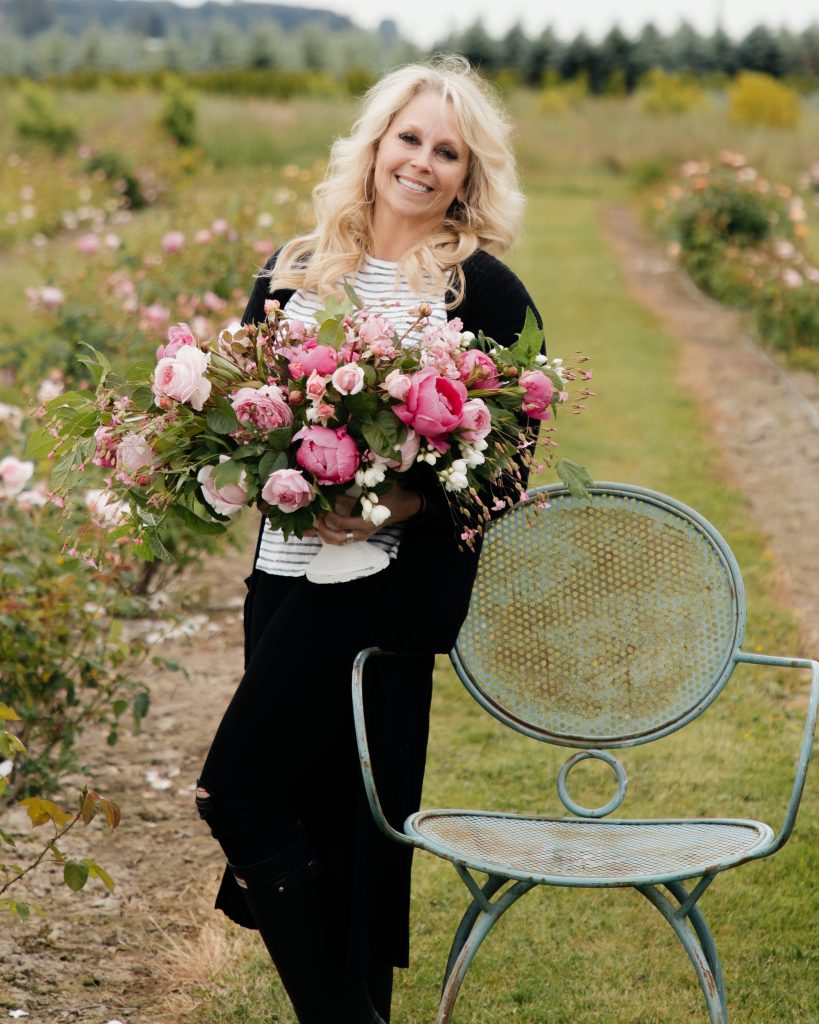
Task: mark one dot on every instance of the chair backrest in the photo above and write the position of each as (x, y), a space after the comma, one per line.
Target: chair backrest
(601, 622)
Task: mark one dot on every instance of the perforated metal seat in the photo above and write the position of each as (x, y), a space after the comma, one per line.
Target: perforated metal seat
(597, 623)
(566, 851)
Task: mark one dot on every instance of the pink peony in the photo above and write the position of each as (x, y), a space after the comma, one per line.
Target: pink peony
(265, 408)
(433, 407)
(228, 499)
(477, 370)
(133, 454)
(173, 241)
(476, 421)
(304, 359)
(537, 394)
(183, 377)
(178, 336)
(14, 475)
(330, 455)
(348, 379)
(288, 490)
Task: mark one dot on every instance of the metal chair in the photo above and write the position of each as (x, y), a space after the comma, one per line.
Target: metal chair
(597, 623)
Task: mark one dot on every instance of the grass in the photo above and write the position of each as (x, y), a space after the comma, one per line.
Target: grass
(568, 956)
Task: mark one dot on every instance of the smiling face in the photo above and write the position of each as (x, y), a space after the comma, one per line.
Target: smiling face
(420, 167)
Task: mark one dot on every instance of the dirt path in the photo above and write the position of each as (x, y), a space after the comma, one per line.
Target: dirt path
(100, 958)
(766, 420)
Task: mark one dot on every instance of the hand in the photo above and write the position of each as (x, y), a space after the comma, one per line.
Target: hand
(333, 527)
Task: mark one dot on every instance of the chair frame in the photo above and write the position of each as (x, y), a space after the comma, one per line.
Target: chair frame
(678, 903)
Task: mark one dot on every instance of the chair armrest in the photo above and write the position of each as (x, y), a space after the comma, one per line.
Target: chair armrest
(363, 745)
(807, 735)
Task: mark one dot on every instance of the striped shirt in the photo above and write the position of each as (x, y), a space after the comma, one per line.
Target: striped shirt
(377, 284)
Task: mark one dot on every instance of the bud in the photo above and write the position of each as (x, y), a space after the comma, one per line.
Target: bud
(295, 397)
(510, 371)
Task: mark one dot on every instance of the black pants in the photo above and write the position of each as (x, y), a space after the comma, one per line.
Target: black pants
(284, 755)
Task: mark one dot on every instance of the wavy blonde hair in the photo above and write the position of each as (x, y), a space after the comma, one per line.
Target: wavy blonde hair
(489, 218)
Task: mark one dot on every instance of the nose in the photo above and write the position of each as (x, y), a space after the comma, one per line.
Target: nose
(421, 159)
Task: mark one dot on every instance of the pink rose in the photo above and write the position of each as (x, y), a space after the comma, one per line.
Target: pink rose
(133, 454)
(323, 411)
(407, 451)
(213, 303)
(265, 408)
(316, 386)
(178, 336)
(348, 379)
(330, 455)
(288, 490)
(88, 244)
(537, 394)
(183, 377)
(228, 499)
(14, 475)
(203, 237)
(477, 370)
(173, 241)
(105, 510)
(310, 357)
(476, 420)
(155, 315)
(397, 384)
(433, 407)
(106, 452)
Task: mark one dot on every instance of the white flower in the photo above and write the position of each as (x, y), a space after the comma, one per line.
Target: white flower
(14, 475)
(472, 458)
(105, 510)
(48, 389)
(458, 466)
(379, 515)
(540, 359)
(371, 476)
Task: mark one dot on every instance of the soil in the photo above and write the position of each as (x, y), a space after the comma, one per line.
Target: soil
(100, 958)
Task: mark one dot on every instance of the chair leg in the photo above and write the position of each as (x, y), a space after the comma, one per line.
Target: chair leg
(483, 921)
(706, 939)
(706, 966)
(490, 887)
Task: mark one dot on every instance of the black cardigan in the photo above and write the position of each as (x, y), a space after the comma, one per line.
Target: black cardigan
(494, 301)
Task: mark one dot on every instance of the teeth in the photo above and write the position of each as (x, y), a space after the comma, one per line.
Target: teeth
(414, 185)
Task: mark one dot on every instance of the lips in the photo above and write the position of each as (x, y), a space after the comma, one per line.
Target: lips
(413, 186)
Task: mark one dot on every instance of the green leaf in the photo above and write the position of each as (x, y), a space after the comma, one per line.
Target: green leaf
(575, 477)
(156, 548)
(222, 419)
(352, 295)
(10, 840)
(95, 871)
(138, 373)
(270, 462)
(195, 522)
(382, 433)
(247, 451)
(40, 444)
(8, 714)
(279, 439)
(75, 874)
(227, 472)
(142, 398)
(331, 333)
(530, 341)
(141, 703)
(97, 364)
(364, 405)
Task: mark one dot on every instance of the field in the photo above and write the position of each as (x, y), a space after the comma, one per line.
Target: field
(676, 411)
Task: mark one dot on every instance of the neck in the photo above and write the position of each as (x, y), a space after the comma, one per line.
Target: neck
(393, 237)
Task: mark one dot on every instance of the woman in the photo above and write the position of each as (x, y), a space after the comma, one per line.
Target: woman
(417, 204)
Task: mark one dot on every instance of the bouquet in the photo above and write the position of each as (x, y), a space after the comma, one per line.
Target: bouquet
(288, 416)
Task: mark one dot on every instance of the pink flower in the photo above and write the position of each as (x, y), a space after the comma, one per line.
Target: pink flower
(104, 508)
(316, 386)
(48, 298)
(212, 302)
(228, 499)
(173, 241)
(476, 420)
(219, 226)
(88, 244)
(397, 384)
(183, 377)
(178, 336)
(433, 406)
(49, 388)
(478, 371)
(330, 455)
(288, 490)
(203, 237)
(407, 452)
(14, 475)
(348, 379)
(106, 453)
(156, 315)
(304, 359)
(537, 394)
(133, 454)
(323, 411)
(264, 408)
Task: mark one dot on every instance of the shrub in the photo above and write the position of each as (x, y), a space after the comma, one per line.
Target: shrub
(663, 93)
(558, 96)
(38, 120)
(178, 115)
(116, 169)
(756, 98)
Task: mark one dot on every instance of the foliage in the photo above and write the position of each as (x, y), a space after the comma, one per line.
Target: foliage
(663, 93)
(39, 121)
(756, 98)
(558, 96)
(743, 240)
(178, 115)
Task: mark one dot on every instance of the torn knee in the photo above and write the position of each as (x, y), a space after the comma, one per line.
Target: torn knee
(203, 802)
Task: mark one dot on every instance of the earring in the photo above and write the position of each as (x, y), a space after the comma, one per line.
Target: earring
(368, 177)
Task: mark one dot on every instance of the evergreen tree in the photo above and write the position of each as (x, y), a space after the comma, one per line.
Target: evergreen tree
(760, 51)
(544, 53)
(649, 51)
(722, 53)
(479, 48)
(581, 57)
(513, 51)
(615, 58)
(686, 50)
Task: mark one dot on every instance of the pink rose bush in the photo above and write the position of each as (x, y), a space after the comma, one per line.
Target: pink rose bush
(289, 416)
(14, 475)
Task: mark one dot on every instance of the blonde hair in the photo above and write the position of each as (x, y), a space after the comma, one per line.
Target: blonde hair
(489, 218)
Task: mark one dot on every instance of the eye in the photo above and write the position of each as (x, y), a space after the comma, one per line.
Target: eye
(447, 152)
(409, 137)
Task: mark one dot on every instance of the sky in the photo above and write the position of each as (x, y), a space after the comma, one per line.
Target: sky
(425, 21)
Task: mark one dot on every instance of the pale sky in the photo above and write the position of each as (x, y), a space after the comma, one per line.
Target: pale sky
(425, 21)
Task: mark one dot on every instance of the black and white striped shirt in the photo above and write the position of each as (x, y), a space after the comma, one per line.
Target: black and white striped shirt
(378, 286)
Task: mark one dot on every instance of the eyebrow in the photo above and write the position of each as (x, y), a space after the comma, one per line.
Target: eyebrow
(409, 127)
